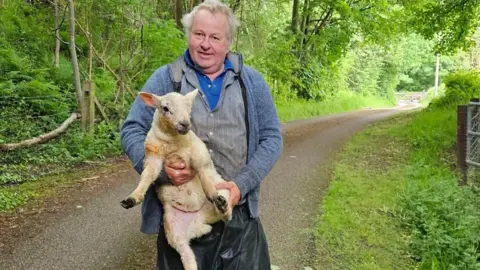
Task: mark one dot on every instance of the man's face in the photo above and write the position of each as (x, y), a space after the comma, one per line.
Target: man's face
(208, 43)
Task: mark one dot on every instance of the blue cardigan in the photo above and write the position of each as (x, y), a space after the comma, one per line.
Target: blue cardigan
(265, 138)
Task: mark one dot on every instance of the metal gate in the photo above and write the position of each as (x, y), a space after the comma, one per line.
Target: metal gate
(468, 141)
(473, 134)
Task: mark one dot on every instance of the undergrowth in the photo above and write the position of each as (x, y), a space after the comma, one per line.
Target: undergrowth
(394, 202)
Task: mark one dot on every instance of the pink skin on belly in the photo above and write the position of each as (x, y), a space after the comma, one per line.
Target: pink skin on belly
(182, 220)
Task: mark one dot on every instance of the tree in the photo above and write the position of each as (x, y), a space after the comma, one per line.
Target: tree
(57, 33)
(178, 13)
(73, 54)
(294, 25)
(451, 23)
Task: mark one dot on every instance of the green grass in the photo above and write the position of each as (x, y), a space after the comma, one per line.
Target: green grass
(342, 102)
(394, 202)
(357, 229)
(51, 185)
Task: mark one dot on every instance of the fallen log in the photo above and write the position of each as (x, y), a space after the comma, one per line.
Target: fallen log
(42, 138)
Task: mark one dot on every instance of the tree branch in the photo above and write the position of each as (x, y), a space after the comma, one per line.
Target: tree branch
(321, 23)
(42, 138)
(105, 64)
(63, 19)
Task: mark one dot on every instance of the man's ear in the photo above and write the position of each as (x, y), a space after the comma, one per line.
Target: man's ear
(149, 99)
(191, 96)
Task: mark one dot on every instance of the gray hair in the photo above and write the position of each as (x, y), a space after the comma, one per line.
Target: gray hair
(214, 6)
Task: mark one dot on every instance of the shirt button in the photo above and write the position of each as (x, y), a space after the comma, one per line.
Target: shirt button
(211, 115)
(211, 133)
(210, 150)
(209, 85)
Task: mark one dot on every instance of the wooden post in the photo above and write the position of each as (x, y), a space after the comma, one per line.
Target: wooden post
(462, 165)
(88, 110)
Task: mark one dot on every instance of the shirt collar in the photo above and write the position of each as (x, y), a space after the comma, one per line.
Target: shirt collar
(188, 59)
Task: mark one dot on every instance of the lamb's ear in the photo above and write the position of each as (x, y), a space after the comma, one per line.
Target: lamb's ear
(149, 99)
(191, 96)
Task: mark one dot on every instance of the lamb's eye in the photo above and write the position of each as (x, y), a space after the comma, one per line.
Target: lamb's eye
(165, 109)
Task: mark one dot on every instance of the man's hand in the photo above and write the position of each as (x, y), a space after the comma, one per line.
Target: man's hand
(235, 194)
(178, 172)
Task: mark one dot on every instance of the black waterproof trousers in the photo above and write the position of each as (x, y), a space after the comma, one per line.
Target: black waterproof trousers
(240, 244)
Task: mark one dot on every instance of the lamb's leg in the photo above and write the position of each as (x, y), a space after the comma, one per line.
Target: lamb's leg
(186, 255)
(153, 167)
(176, 232)
(206, 175)
(197, 230)
(209, 177)
(224, 210)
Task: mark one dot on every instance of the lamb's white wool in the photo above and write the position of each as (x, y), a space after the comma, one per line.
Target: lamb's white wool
(191, 207)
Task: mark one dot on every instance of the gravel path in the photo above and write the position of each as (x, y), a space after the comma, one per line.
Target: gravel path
(102, 235)
(292, 193)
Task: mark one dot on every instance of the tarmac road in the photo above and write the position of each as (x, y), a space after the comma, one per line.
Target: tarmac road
(102, 235)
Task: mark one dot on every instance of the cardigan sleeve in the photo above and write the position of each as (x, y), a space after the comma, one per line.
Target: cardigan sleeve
(269, 144)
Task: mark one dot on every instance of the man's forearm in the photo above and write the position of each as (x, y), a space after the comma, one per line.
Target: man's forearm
(260, 165)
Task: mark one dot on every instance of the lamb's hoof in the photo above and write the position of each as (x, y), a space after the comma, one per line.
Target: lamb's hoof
(222, 208)
(128, 203)
(220, 203)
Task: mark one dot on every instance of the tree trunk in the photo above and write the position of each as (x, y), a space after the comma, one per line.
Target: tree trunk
(73, 54)
(121, 82)
(437, 70)
(304, 22)
(57, 35)
(294, 25)
(178, 13)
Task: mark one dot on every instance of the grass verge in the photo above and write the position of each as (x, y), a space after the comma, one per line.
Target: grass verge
(394, 203)
(17, 195)
(356, 230)
(342, 102)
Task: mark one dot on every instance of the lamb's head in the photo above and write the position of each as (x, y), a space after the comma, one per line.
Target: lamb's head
(173, 109)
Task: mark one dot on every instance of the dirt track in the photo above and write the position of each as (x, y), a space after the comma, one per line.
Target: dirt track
(102, 235)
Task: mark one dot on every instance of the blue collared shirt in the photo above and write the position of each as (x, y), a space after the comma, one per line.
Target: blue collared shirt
(210, 88)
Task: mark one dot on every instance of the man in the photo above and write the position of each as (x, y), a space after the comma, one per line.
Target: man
(236, 118)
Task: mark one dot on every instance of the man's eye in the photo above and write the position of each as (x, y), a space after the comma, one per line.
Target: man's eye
(216, 38)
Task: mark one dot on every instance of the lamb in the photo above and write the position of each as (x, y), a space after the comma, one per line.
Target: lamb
(190, 208)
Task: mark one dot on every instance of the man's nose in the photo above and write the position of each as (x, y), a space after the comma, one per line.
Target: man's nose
(205, 43)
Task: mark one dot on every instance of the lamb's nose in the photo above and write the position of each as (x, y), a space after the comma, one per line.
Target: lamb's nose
(184, 125)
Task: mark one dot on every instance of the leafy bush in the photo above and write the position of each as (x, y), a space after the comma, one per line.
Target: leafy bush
(460, 87)
(445, 224)
(443, 218)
